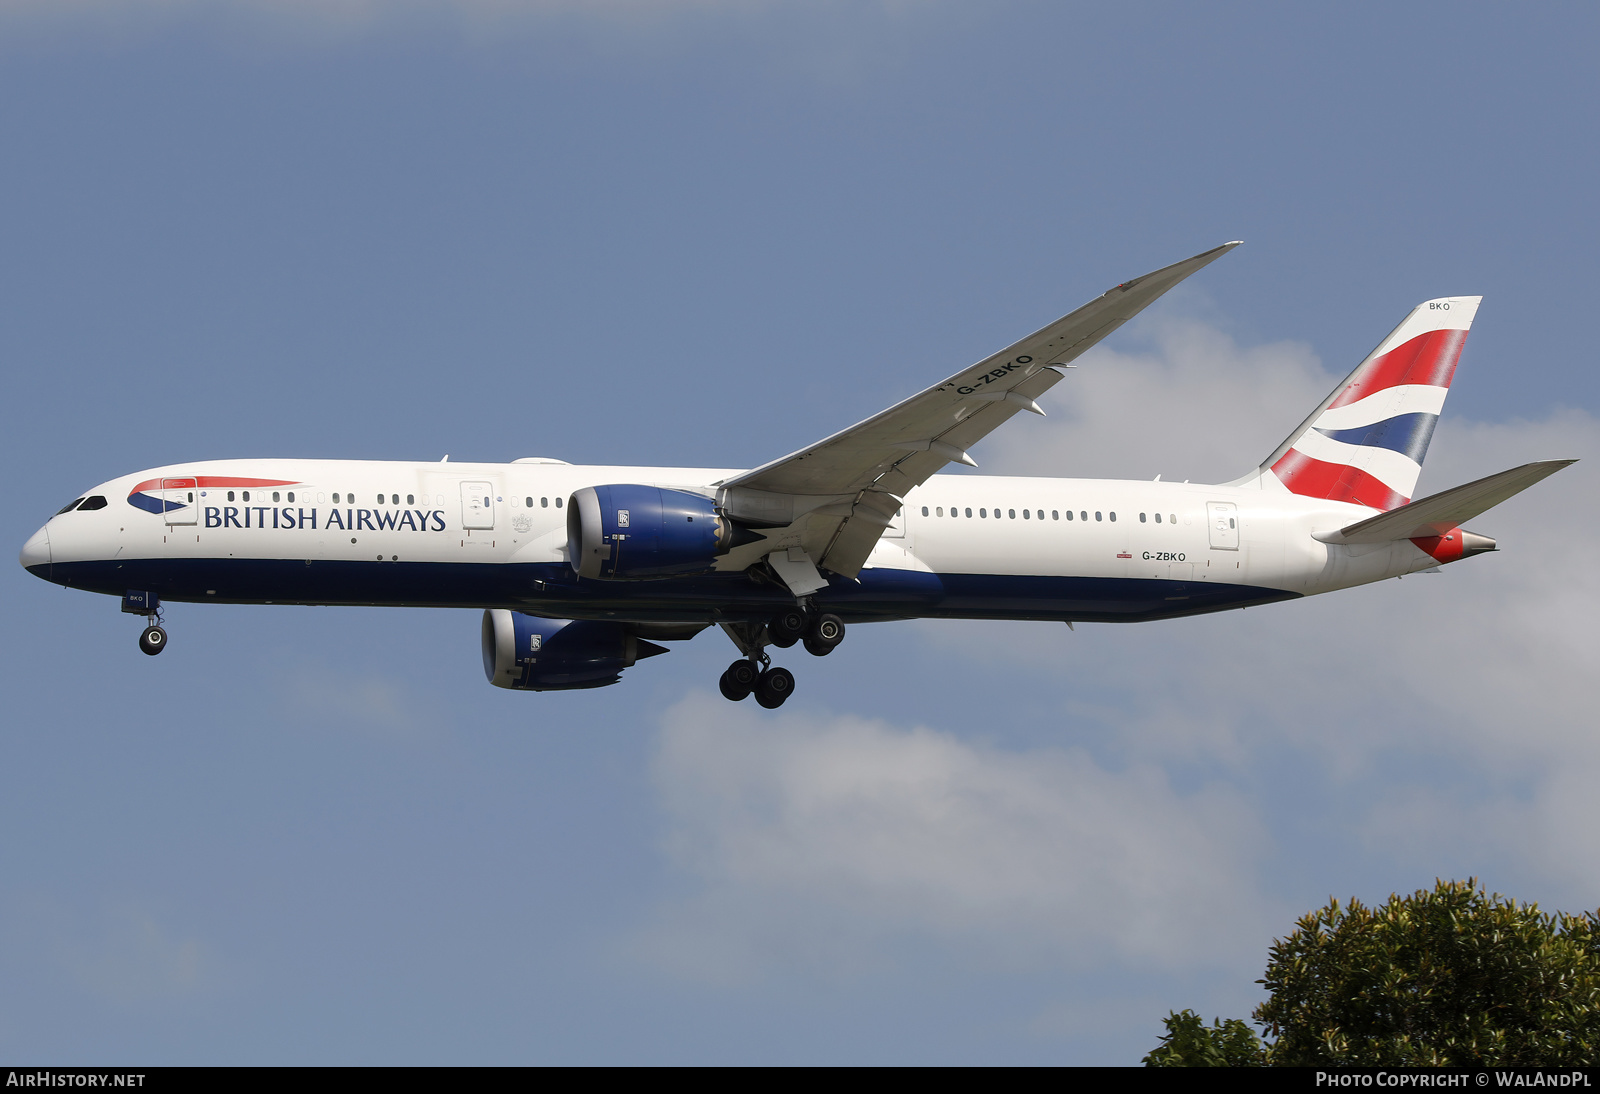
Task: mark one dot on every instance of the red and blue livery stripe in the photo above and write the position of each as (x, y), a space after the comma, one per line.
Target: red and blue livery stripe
(148, 494)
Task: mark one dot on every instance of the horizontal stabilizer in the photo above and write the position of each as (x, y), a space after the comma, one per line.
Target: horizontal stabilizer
(1448, 509)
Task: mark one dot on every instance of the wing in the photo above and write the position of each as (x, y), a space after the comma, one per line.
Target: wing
(855, 478)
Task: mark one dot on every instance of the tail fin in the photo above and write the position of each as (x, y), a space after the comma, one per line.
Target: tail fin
(1366, 442)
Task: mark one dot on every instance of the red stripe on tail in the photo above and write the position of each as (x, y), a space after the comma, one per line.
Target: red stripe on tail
(1426, 359)
(1313, 478)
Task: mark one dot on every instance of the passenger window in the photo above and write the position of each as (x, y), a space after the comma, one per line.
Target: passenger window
(1113, 518)
(924, 510)
(1141, 518)
(335, 498)
(230, 496)
(1069, 514)
(1158, 518)
(411, 499)
(1013, 513)
(1055, 514)
(1024, 514)
(69, 507)
(1083, 514)
(247, 495)
(274, 495)
(1097, 514)
(92, 503)
(291, 495)
(969, 512)
(558, 503)
(544, 503)
(1172, 518)
(1041, 514)
(983, 512)
(529, 502)
(1230, 519)
(939, 510)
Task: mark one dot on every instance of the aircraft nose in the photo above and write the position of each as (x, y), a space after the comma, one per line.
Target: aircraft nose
(36, 552)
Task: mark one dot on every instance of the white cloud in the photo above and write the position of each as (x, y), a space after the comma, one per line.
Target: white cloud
(1445, 723)
(1486, 666)
(1193, 406)
(813, 837)
(125, 955)
(373, 704)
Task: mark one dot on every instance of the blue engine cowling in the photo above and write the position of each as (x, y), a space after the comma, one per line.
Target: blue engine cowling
(526, 653)
(627, 532)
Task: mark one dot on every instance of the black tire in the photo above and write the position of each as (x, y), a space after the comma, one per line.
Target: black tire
(738, 680)
(775, 686)
(817, 649)
(787, 627)
(153, 640)
(826, 630)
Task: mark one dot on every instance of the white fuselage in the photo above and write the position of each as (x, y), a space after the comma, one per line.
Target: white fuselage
(510, 521)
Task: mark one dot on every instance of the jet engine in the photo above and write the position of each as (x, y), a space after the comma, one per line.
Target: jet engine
(526, 653)
(625, 532)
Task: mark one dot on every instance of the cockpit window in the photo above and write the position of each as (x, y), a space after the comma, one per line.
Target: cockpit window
(69, 507)
(95, 502)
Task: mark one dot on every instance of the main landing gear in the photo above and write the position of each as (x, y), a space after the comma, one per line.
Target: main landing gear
(754, 674)
(770, 685)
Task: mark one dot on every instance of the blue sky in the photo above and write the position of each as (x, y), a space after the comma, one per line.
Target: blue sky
(708, 233)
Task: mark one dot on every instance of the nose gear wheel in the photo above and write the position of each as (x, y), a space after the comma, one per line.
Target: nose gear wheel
(153, 640)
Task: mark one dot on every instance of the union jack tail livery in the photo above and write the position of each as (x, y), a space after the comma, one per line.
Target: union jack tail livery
(1366, 442)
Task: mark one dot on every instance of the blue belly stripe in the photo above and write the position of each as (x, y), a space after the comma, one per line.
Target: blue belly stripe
(551, 589)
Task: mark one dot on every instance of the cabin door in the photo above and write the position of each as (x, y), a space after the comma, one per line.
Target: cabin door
(477, 505)
(1223, 518)
(180, 499)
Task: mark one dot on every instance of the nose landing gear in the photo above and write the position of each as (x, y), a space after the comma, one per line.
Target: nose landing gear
(147, 604)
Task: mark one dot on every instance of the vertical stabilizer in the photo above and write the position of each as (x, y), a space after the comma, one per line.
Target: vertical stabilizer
(1366, 442)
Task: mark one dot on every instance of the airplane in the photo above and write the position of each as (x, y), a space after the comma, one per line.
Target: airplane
(581, 571)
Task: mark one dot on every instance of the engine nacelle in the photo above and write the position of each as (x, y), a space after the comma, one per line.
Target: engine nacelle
(626, 532)
(526, 653)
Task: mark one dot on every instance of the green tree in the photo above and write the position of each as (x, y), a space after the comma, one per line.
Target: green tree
(1188, 1042)
(1445, 977)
